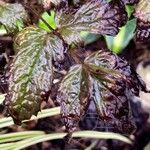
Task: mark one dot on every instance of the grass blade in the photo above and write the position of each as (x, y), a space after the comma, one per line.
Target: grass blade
(83, 134)
(5, 122)
(7, 146)
(11, 137)
(101, 135)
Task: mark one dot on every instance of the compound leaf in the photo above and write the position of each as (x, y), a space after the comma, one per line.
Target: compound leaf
(31, 71)
(105, 79)
(73, 96)
(112, 91)
(96, 16)
(114, 68)
(10, 14)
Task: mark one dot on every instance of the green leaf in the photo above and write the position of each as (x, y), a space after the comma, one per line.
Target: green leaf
(89, 38)
(98, 17)
(122, 39)
(50, 19)
(101, 135)
(32, 71)
(10, 14)
(130, 10)
(73, 96)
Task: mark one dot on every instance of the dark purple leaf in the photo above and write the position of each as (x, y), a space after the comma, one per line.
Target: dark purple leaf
(143, 31)
(96, 16)
(73, 96)
(113, 67)
(110, 82)
(113, 107)
(142, 13)
(114, 85)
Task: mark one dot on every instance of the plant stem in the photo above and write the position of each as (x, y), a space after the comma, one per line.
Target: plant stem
(38, 16)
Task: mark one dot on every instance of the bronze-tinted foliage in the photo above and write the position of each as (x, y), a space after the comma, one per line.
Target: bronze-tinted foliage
(31, 72)
(129, 1)
(143, 31)
(142, 12)
(58, 3)
(73, 96)
(101, 77)
(110, 82)
(113, 98)
(113, 105)
(95, 16)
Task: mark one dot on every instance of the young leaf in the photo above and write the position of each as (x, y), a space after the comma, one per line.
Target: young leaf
(122, 39)
(10, 14)
(129, 10)
(73, 96)
(142, 12)
(31, 71)
(50, 20)
(98, 17)
(89, 38)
